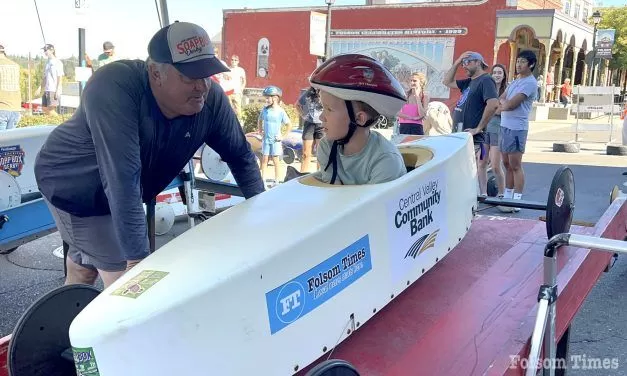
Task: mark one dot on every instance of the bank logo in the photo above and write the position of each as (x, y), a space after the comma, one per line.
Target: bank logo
(422, 244)
(290, 302)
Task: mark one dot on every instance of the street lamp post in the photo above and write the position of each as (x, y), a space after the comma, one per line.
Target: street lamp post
(327, 44)
(596, 19)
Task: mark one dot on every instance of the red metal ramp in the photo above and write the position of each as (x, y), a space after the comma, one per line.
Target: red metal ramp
(473, 313)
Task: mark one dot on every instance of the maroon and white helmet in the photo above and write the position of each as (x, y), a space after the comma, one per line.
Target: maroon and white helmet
(355, 77)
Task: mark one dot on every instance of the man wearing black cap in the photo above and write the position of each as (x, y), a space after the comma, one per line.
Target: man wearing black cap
(476, 106)
(137, 126)
(51, 82)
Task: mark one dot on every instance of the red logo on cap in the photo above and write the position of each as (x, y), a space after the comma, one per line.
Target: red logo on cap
(192, 45)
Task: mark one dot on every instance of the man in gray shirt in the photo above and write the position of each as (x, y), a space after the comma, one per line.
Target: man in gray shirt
(515, 104)
(137, 126)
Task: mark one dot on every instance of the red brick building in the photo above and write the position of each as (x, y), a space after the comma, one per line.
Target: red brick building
(274, 44)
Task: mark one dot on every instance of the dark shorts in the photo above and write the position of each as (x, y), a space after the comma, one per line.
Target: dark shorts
(312, 131)
(92, 241)
(47, 100)
(480, 150)
(492, 138)
(513, 141)
(411, 128)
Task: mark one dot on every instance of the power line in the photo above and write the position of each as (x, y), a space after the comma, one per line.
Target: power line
(158, 14)
(39, 18)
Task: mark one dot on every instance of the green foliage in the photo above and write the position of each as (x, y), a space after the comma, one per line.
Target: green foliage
(250, 115)
(37, 70)
(616, 18)
(37, 65)
(33, 120)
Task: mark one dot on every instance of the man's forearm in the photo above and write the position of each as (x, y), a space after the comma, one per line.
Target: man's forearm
(449, 77)
(248, 176)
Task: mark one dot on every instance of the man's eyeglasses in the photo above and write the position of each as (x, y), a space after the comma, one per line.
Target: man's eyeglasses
(467, 61)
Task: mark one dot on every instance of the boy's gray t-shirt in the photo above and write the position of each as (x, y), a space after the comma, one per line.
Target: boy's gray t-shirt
(518, 118)
(378, 162)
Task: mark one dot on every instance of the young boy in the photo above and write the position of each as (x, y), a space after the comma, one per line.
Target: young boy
(270, 121)
(356, 92)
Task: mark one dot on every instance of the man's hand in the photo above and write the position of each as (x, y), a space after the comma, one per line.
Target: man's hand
(56, 96)
(472, 131)
(131, 263)
(462, 57)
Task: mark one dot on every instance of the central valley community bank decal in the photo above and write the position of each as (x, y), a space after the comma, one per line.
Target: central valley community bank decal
(296, 298)
(416, 224)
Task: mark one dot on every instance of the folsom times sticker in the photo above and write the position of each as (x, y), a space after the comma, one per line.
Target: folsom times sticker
(416, 223)
(296, 298)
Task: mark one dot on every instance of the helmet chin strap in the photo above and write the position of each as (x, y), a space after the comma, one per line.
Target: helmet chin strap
(352, 125)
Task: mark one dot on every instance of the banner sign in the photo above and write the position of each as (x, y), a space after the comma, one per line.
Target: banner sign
(604, 43)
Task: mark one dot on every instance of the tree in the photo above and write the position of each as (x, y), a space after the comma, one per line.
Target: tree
(616, 18)
(36, 72)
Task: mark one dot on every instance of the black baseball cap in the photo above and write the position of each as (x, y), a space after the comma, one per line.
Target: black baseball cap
(186, 46)
(107, 46)
(47, 47)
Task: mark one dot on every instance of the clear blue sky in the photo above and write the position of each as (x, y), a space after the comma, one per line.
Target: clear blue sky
(129, 24)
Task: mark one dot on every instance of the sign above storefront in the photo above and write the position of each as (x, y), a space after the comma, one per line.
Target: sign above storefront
(399, 32)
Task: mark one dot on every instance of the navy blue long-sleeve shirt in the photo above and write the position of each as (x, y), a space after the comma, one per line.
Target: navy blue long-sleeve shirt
(118, 150)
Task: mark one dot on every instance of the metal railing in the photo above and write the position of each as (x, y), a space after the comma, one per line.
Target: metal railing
(544, 329)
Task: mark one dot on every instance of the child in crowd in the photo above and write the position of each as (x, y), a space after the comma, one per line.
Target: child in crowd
(271, 119)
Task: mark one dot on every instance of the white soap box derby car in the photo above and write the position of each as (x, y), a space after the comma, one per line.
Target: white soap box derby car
(234, 296)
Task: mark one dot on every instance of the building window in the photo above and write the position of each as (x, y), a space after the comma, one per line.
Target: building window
(576, 11)
(567, 7)
(584, 14)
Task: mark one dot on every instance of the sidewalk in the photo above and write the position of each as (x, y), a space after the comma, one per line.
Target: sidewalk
(593, 143)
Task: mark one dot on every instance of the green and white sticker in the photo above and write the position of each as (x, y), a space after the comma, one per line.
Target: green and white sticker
(139, 284)
(85, 362)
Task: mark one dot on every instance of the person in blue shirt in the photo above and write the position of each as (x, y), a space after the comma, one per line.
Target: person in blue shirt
(137, 126)
(271, 119)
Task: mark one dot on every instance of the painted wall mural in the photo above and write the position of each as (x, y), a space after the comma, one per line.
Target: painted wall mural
(432, 56)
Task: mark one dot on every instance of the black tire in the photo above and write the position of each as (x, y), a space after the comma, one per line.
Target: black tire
(289, 155)
(333, 367)
(6, 252)
(493, 189)
(566, 147)
(616, 150)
